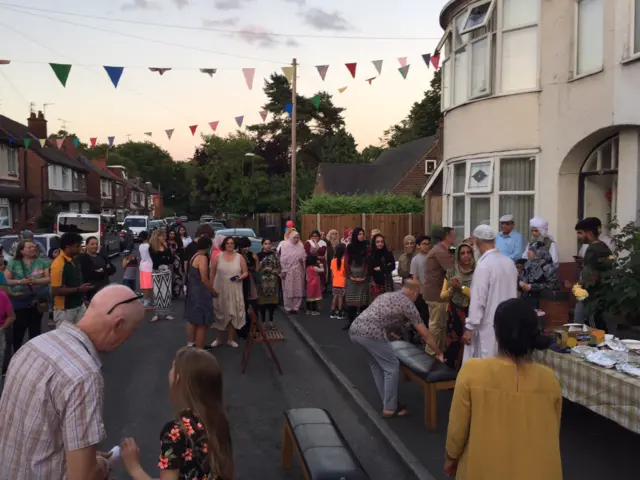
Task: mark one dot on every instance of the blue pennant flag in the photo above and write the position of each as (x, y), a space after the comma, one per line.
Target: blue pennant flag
(76, 142)
(111, 139)
(427, 58)
(288, 108)
(114, 74)
(10, 140)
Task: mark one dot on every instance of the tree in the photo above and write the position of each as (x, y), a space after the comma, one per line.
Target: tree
(423, 119)
(371, 153)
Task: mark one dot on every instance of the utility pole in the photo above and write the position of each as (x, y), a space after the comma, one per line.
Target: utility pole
(294, 146)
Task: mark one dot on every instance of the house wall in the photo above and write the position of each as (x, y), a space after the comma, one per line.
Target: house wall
(415, 179)
(36, 183)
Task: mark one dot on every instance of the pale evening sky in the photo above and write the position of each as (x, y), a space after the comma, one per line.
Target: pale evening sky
(31, 36)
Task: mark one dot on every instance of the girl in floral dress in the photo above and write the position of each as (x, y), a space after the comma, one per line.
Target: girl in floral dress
(196, 444)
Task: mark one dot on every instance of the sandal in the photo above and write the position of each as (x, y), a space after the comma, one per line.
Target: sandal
(400, 412)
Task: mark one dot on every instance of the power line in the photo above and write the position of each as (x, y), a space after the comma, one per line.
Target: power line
(217, 30)
(15, 89)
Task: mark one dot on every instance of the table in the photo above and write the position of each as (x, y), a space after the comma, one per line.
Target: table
(605, 391)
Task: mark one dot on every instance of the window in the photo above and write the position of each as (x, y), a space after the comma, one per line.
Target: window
(5, 213)
(65, 179)
(520, 45)
(477, 17)
(636, 27)
(589, 36)
(479, 176)
(516, 189)
(9, 156)
(447, 76)
(119, 190)
(85, 207)
(75, 182)
(458, 202)
(74, 207)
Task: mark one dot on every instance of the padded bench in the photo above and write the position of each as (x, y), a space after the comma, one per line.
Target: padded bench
(322, 451)
(431, 374)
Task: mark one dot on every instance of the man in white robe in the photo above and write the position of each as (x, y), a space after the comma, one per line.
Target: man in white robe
(495, 280)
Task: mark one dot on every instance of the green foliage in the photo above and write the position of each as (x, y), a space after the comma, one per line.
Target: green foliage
(47, 220)
(371, 153)
(342, 204)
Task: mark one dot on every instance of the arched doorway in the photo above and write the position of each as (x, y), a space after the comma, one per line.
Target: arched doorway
(598, 183)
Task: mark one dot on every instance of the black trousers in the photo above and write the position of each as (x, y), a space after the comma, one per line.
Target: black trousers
(271, 308)
(27, 320)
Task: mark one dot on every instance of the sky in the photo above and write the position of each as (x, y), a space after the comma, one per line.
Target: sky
(228, 35)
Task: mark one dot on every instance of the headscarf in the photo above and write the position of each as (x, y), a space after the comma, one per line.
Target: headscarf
(408, 238)
(333, 237)
(217, 242)
(542, 226)
(378, 253)
(458, 297)
(291, 252)
(357, 249)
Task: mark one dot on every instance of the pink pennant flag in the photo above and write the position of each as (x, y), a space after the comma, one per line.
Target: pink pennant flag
(403, 61)
(435, 60)
(239, 120)
(322, 70)
(263, 115)
(193, 129)
(214, 125)
(169, 132)
(93, 141)
(370, 80)
(249, 73)
(59, 142)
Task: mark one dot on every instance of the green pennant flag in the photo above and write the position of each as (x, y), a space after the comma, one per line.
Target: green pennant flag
(316, 101)
(61, 71)
(404, 71)
(27, 142)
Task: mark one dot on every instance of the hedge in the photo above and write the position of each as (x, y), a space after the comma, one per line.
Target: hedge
(342, 204)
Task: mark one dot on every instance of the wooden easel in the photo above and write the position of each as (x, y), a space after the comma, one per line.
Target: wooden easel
(257, 334)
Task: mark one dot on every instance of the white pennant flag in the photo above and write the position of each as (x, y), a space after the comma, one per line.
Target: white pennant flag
(378, 65)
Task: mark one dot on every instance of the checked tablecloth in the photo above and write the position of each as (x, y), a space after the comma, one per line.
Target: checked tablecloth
(606, 391)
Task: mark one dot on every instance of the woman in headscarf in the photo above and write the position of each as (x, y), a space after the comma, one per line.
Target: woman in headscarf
(357, 289)
(287, 234)
(346, 239)
(292, 260)
(457, 291)
(404, 262)
(540, 273)
(268, 289)
(332, 239)
(381, 266)
(540, 235)
(317, 247)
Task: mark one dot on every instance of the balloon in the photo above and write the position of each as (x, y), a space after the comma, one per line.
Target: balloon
(289, 223)
(286, 230)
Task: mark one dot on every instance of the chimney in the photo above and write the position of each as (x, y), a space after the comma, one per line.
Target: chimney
(37, 125)
(100, 163)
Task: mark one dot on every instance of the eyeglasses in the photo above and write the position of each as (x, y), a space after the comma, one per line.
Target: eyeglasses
(124, 302)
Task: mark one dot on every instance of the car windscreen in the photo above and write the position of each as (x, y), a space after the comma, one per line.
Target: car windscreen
(155, 224)
(7, 242)
(135, 222)
(238, 232)
(78, 224)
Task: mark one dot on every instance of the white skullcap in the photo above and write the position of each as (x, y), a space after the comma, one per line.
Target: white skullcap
(484, 232)
(506, 218)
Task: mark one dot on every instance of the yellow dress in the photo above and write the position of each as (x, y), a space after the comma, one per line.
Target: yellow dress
(505, 425)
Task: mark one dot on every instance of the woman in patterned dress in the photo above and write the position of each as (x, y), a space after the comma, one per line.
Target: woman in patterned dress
(292, 258)
(174, 242)
(196, 443)
(381, 266)
(357, 289)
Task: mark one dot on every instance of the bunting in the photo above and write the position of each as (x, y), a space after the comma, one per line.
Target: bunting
(149, 134)
(209, 71)
(114, 74)
(288, 73)
(239, 120)
(59, 142)
(193, 129)
(378, 65)
(322, 70)
(161, 71)
(316, 101)
(263, 115)
(5, 62)
(352, 68)
(404, 71)
(61, 71)
(249, 73)
(76, 142)
(289, 109)
(169, 132)
(214, 125)
(435, 60)
(93, 141)
(341, 90)
(43, 142)
(403, 61)
(27, 142)
(111, 140)
(427, 59)
(370, 80)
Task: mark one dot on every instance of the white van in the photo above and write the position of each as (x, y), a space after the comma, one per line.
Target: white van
(137, 224)
(104, 228)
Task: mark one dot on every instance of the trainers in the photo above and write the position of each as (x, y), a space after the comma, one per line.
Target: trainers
(333, 314)
(155, 318)
(315, 313)
(215, 344)
(232, 344)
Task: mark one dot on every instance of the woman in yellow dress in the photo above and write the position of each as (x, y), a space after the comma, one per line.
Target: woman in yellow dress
(504, 421)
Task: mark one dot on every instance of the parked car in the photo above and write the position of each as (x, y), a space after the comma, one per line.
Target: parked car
(137, 224)
(47, 240)
(206, 219)
(156, 224)
(103, 227)
(256, 243)
(126, 238)
(184, 218)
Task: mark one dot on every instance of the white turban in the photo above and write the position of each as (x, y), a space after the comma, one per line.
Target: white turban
(541, 225)
(484, 232)
(506, 218)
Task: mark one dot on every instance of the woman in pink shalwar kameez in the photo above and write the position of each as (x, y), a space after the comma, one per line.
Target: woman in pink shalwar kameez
(292, 260)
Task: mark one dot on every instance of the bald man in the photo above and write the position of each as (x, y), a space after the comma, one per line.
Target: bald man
(51, 407)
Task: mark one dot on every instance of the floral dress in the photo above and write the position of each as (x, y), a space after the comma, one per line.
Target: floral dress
(183, 447)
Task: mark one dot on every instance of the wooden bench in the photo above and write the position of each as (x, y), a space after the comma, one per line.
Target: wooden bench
(431, 374)
(322, 451)
(257, 334)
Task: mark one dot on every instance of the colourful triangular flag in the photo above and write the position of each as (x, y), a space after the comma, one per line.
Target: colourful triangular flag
(114, 74)
(403, 61)
(370, 80)
(148, 134)
(378, 65)
(288, 73)
(263, 115)
(352, 68)
(193, 129)
(59, 142)
(322, 70)
(316, 101)
(61, 71)
(5, 62)
(239, 120)
(404, 71)
(27, 142)
(43, 142)
(111, 139)
(214, 125)
(209, 71)
(289, 108)
(76, 142)
(93, 141)
(161, 71)
(249, 73)
(435, 60)
(341, 90)
(169, 132)
(427, 58)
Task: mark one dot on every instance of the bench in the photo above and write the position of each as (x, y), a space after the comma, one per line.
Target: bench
(322, 451)
(431, 374)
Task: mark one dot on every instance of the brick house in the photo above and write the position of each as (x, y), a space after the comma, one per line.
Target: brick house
(134, 195)
(402, 170)
(12, 192)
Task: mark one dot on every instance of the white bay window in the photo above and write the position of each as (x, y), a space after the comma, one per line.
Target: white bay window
(589, 36)
(636, 26)
(5, 213)
(520, 19)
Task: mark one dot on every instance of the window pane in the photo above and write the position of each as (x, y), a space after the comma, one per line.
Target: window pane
(517, 174)
(458, 217)
(636, 48)
(446, 85)
(477, 15)
(520, 59)
(459, 173)
(521, 207)
(480, 175)
(479, 68)
(520, 12)
(479, 212)
(461, 80)
(590, 36)
(460, 40)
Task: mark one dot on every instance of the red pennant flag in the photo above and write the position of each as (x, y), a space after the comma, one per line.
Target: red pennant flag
(370, 80)
(249, 73)
(59, 142)
(403, 61)
(435, 60)
(193, 129)
(214, 125)
(93, 141)
(263, 115)
(352, 68)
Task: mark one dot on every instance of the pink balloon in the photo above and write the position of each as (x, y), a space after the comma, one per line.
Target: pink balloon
(289, 223)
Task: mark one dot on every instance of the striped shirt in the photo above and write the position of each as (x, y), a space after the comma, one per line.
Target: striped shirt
(52, 403)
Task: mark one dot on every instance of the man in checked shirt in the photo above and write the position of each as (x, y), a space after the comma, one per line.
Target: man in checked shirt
(51, 407)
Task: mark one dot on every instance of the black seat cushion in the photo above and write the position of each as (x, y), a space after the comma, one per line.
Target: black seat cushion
(326, 453)
(425, 366)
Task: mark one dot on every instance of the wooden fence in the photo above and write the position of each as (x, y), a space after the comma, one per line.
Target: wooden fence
(266, 225)
(393, 226)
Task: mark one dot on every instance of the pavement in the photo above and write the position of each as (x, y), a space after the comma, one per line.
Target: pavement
(592, 446)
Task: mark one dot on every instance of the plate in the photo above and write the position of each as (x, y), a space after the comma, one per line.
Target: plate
(632, 344)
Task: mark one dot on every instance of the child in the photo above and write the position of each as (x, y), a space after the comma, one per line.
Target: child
(314, 288)
(338, 277)
(146, 269)
(130, 268)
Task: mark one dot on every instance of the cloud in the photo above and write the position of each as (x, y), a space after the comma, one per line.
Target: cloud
(299, 2)
(229, 4)
(254, 35)
(181, 3)
(225, 22)
(292, 42)
(140, 5)
(323, 20)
